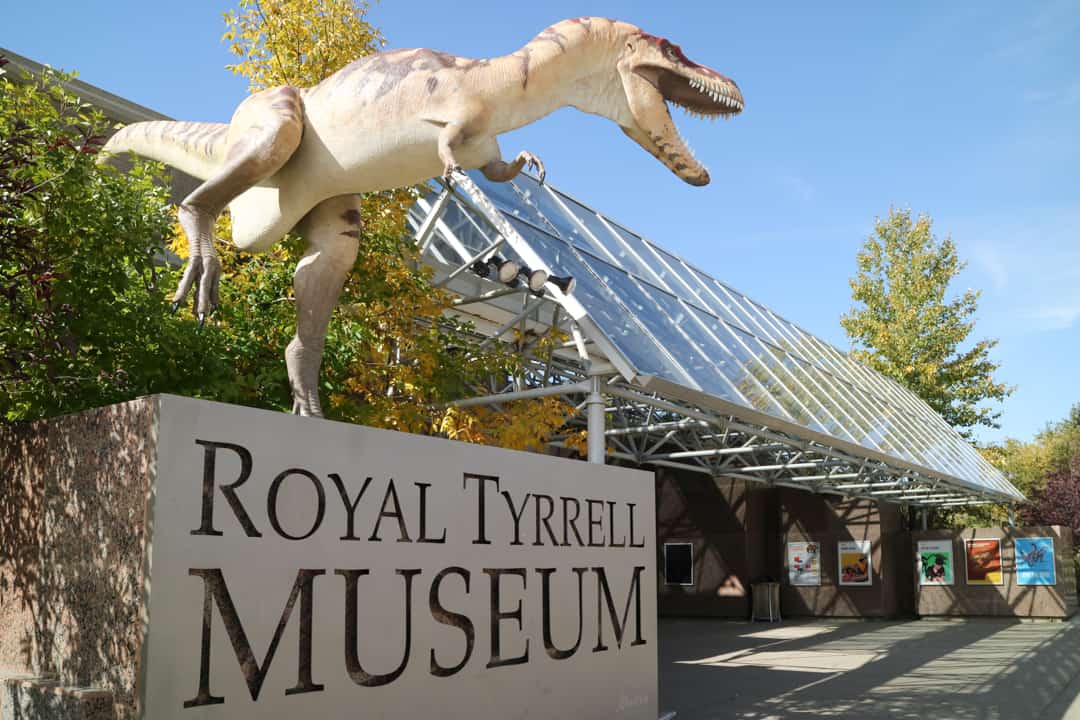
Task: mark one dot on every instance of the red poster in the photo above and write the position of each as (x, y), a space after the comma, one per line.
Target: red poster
(983, 562)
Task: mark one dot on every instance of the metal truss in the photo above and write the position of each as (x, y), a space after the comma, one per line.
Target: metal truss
(625, 422)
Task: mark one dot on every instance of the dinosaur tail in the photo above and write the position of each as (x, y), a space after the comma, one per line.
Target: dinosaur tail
(195, 148)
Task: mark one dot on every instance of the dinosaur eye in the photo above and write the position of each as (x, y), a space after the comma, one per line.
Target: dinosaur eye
(671, 53)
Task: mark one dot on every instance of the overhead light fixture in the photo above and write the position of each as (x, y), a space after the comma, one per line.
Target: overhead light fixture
(535, 279)
(506, 270)
(481, 268)
(563, 282)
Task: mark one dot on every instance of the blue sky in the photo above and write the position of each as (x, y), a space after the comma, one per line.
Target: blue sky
(969, 113)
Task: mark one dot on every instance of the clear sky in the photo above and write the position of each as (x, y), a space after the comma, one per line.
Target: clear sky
(967, 112)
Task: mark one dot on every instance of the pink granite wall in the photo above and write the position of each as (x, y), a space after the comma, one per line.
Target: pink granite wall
(73, 499)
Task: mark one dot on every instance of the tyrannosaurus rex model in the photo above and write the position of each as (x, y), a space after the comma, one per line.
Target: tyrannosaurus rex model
(298, 157)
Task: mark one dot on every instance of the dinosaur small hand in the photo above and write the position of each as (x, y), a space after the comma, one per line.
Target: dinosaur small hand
(533, 163)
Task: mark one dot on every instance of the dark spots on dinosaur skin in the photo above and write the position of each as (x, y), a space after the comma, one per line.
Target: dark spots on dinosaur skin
(554, 36)
(352, 233)
(524, 56)
(584, 22)
(351, 216)
(389, 69)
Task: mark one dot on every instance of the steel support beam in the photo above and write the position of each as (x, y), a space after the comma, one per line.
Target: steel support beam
(595, 411)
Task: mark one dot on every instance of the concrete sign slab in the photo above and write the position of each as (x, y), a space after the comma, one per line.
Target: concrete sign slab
(301, 567)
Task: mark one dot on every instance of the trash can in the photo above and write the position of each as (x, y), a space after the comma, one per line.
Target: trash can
(765, 601)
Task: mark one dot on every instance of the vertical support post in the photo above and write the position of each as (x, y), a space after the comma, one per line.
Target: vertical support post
(427, 228)
(1012, 515)
(594, 406)
(922, 517)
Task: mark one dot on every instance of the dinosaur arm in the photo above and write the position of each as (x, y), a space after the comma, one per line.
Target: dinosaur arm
(449, 137)
(502, 171)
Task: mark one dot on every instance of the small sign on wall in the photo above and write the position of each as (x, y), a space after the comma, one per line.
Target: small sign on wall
(855, 563)
(983, 562)
(936, 566)
(804, 563)
(1035, 561)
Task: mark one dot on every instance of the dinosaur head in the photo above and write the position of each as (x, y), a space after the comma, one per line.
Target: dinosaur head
(655, 72)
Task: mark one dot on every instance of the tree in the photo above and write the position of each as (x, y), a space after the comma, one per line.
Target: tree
(905, 327)
(393, 354)
(83, 319)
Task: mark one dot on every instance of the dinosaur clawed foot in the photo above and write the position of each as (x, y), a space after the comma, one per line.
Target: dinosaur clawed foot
(527, 159)
(449, 170)
(203, 273)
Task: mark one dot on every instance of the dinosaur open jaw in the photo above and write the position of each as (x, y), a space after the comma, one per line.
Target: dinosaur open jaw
(701, 95)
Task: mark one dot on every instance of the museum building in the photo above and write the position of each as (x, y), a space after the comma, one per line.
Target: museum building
(778, 458)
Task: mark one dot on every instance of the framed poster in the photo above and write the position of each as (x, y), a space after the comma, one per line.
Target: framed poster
(983, 562)
(678, 564)
(1035, 561)
(936, 562)
(804, 563)
(854, 563)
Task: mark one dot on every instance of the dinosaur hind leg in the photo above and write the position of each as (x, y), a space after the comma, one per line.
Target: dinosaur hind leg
(263, 134)
(332, 233)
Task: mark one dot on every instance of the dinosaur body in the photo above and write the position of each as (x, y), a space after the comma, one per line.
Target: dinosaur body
(395, 119)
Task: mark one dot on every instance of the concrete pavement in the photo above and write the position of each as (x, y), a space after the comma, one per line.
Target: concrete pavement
(928, 669)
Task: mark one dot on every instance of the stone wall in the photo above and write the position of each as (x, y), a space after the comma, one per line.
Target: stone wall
(72, 602)
(1008, 599)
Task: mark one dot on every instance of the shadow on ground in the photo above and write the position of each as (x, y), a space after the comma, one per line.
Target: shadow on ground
(850, 669)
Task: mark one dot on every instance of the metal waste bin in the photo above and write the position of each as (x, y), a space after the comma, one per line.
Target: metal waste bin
(765, 601)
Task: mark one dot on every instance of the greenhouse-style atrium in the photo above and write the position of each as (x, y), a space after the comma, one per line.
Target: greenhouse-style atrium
(678, 369)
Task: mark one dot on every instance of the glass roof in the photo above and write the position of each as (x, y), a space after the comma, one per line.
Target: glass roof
(674, 321)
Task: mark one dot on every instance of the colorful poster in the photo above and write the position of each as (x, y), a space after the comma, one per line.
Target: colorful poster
(983, 562)
(804, 563)
(854, 562)
(935, 562)
(1035, 561)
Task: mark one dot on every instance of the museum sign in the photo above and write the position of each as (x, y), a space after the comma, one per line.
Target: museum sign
(300, 566)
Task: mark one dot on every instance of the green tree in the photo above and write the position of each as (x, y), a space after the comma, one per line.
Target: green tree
(904, 325)
(83, 319)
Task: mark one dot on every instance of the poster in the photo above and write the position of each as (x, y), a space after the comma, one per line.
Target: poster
(854, 563)
(936, 562)
(1035, 561)
(804, 563)
(983, 562)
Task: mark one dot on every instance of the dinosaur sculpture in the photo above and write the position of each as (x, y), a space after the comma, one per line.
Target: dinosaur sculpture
(297, 158)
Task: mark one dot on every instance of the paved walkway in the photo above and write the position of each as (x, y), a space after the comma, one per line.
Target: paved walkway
(929, 669)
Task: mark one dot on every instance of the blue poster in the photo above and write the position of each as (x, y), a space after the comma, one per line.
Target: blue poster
(1035, 561)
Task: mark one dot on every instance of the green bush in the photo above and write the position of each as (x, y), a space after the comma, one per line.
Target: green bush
(83, 320)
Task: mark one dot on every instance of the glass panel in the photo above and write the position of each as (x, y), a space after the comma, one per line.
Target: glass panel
(739, 370)
(713, 375)
(466, 230)
(713, 299)
(648, 314)
(507, 198)
(636, 258)
(601, 233)
(604, 308)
